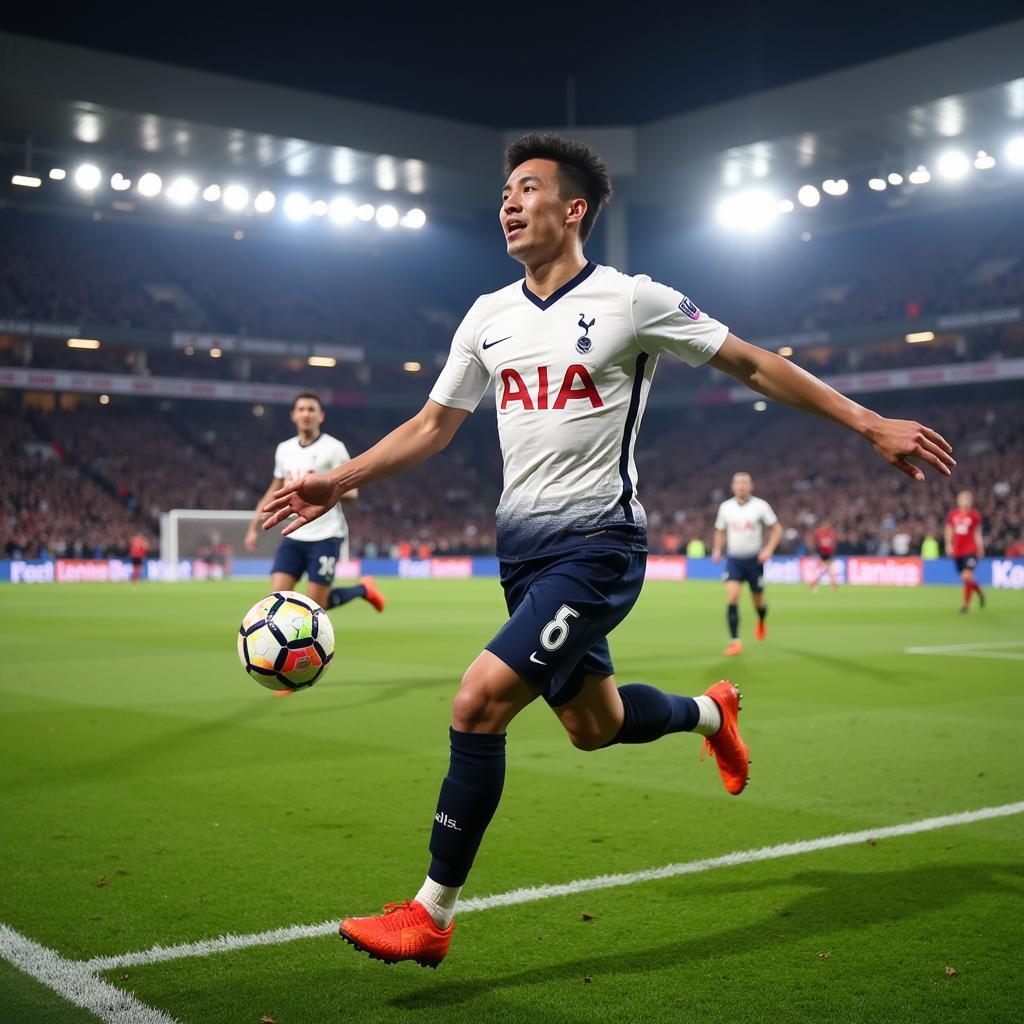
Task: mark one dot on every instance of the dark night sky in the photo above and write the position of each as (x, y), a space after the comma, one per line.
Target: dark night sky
(635, 63)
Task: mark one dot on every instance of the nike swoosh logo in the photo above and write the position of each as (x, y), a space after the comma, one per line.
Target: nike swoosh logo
(490, 344)
(533, 657)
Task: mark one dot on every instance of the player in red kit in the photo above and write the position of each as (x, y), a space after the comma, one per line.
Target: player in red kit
(138, 548)
(825, 546)
(965, 545)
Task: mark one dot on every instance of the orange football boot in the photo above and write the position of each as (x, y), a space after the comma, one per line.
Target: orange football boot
(731, 753)
(734, 648)
(405, 931)
(373, 595)
(760, 630)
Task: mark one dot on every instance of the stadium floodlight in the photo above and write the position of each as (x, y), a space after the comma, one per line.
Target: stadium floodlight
(104, 399)
(26, 180)
(760, 406)
(182, 191)
(786, 351)
(835, 186)
(1015, 151)
(917, 337)
(984, 162)
(895, 178)
(327, 361)
(365, 212)
(83, 343)
(236, 197)
(150, 184)
(211, 193)
(58, 174)
(215, 353)
(318, 208)
(785, 206)
(877, 184)
(264, 202)
(387, 217)
(753, 210)
(412, 367)
(920, 176)
(342, 210)
(808, 196)
(953, 165)
(119, 183)
(87, 177)
(296, 206)
(414, 219)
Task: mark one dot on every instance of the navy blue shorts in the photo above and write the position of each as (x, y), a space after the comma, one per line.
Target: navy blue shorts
(745, 570)
(561, 610)
(315, 558)
(966, 562)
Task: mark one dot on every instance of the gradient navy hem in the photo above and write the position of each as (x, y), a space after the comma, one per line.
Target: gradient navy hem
(745, 570)
(562, 608)
(317, 559)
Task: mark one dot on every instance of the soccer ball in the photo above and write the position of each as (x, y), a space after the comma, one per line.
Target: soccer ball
(286, 641)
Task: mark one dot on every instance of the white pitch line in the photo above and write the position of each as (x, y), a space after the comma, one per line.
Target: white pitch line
(76, 982)
(227, 943)
(981, 645)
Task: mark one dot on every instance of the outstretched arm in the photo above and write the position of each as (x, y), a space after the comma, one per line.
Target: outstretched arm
(252, 535)
(427, 433)
(774, 536)
(896, 441)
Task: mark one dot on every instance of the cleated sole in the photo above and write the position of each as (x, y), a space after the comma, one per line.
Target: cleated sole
(360, 948)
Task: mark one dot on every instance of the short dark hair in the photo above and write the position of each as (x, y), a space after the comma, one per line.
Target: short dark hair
(308, 394)
(581, 172)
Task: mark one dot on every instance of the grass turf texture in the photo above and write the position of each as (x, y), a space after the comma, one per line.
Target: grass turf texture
(154, 794)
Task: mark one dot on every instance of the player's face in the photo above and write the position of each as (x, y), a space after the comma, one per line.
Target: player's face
(533, 213)
(307, 416)
(742, 486)
(964, 500)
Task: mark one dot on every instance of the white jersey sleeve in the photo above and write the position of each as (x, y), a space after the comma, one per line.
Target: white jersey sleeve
(464, 379)
(280, 470)
(768, 516)
(720, 523)
(665, 320)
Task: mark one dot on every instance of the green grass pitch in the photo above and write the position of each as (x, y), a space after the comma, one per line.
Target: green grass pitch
(152, 793)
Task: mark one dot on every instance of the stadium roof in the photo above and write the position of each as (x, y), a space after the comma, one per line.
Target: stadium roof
(73, 101)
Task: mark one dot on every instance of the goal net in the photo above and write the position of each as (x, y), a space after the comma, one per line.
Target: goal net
(210, 538)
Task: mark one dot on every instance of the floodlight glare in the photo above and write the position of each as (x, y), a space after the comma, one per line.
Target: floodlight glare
(921, 176)
(119, 183)
(264, 201)
(211, 193)
(953, 165)
(26, 180)
(181, 191)
(836, 186)
(150, 184)
(296, 206)
(808, 196)
(748, 211)
(236, 197)
(342, 210)
(760, 406)
(87, 177)
(58, 174)
(895, 178)
(318, 208)
(785, 206)
(984, 162)
(414, 219)
(1015, 151)
(365, 212)
(387, 217)
(877, 184)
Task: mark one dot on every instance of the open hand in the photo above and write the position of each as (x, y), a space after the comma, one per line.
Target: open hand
(899, 440)
(306, 499)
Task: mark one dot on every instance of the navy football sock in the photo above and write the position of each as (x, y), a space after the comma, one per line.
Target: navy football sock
(469, 797)
(651, 714)
(734, 621)
(762, 612)
(342, 595)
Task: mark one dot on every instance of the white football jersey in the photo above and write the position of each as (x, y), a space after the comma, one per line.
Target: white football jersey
(744, 525)
(571, 375)
(294, 460)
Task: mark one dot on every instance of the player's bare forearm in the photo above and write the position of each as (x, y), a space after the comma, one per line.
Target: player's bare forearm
(258, 515)
(716, 545)
(774, 537)
(895, 440)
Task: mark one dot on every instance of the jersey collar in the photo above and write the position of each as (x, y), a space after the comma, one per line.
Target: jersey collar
(543, 304)
(311, 443)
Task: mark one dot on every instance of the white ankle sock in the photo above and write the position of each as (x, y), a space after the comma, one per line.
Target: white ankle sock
(710, 720)
(440, 900)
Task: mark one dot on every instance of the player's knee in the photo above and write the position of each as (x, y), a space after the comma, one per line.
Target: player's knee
(585, 734)
(472, 706)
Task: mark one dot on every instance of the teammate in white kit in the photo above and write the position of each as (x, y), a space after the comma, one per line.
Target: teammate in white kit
(571, 351)
(740, 526)
(316, 549)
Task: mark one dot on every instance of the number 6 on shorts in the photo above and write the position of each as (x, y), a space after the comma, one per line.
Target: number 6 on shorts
(556, 632)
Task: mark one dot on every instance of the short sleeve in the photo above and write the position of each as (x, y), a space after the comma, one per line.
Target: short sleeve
(768, 516)
(279, 471)
(341, 455)
(949, 518)
(720, 518)
(464, 379)
(665, 320)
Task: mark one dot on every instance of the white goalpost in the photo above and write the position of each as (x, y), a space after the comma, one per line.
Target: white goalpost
(211, 535)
